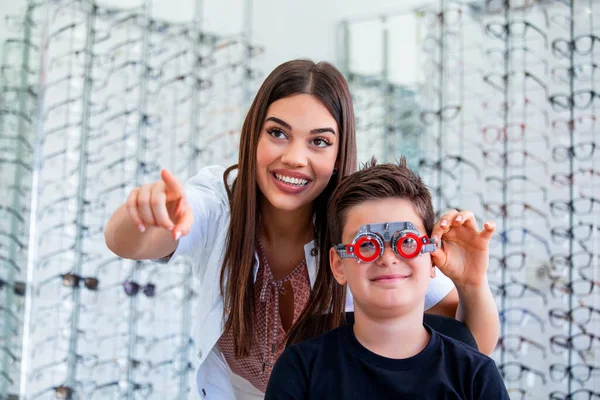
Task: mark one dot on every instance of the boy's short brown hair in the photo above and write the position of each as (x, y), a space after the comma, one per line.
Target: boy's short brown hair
(378, 181)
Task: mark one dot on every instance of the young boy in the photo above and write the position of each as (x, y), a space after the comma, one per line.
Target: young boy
(382, 217)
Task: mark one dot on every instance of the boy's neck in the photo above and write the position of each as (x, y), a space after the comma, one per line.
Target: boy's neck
(396, 337)
(286, 226)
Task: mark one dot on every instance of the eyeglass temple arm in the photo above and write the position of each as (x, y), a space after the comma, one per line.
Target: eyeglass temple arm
(429, 245)
(342, 250)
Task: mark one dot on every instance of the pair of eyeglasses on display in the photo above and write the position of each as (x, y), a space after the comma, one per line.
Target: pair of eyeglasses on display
(519, 316)
(431, 18)
(18, 287)
(446, 113)
(563, 17)
(580, 261)
(502, 184)
(580, 231)
(513, 159)
(514, 210)
(534, 110)
(498, 55)
(513, 261)
(578, 372)
(582, 45)
(452, 162)
(516, 290)
(515, 371)
(579, 177)
(501, 81)
(132, 289)
(580, 99)
(71, 280)
(518, 345)
(369, 243)
(580, 206)
(579, 394)
(581, 316)
(450, 41)
(518, 236)
(585, 72)
(517, 29)
(581, 342)
(582, 125)
(578, 287)
(583, 151)
(512, 132)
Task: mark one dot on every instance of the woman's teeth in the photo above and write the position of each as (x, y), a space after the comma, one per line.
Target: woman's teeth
(291, 181)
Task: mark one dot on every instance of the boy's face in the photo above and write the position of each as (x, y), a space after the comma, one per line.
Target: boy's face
(391, 284)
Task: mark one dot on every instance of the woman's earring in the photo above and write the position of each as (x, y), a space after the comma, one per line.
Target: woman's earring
(334, 171)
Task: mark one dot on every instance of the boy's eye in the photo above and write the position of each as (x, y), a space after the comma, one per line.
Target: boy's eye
(367, 246)
(367, 249)
(409, 245)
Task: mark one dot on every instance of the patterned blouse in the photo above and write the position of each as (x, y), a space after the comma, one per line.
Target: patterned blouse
(269, 335)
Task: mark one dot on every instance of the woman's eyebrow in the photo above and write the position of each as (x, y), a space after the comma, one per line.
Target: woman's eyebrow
(322, 130)
(280, 122)
(288, 126)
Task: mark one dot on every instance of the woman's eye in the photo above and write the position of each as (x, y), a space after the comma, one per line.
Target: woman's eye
(276, 133)
(321, 142)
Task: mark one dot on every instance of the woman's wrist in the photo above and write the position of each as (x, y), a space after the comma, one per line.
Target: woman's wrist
(473, 288)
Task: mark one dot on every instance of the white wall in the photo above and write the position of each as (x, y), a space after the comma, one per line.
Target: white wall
(288, 29)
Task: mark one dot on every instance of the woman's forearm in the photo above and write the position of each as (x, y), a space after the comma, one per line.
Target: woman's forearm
(477, 309)
(124, 239)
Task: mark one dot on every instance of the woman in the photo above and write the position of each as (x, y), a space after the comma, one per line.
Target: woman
(257, 234)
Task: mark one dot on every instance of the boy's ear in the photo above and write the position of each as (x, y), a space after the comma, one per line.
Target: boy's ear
(335, 263)
(432, 273)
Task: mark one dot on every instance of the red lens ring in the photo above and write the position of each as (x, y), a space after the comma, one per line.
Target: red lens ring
(402, 239)
(362, 240)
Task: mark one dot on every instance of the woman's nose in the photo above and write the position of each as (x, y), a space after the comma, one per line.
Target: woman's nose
(294, 155)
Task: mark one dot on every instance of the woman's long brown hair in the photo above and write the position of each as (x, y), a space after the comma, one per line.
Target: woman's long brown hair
(324, 310)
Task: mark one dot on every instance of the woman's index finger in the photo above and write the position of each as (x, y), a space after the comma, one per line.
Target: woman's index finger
(172, 183)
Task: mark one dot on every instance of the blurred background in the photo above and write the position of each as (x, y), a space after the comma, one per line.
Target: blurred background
(492, 101)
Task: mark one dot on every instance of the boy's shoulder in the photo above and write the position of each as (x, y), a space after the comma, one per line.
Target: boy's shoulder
(321, 350)
(454, 349)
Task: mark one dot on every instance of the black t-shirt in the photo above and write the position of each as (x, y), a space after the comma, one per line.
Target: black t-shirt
(336, 366)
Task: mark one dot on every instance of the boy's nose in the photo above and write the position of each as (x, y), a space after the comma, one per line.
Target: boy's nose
(388, 258)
